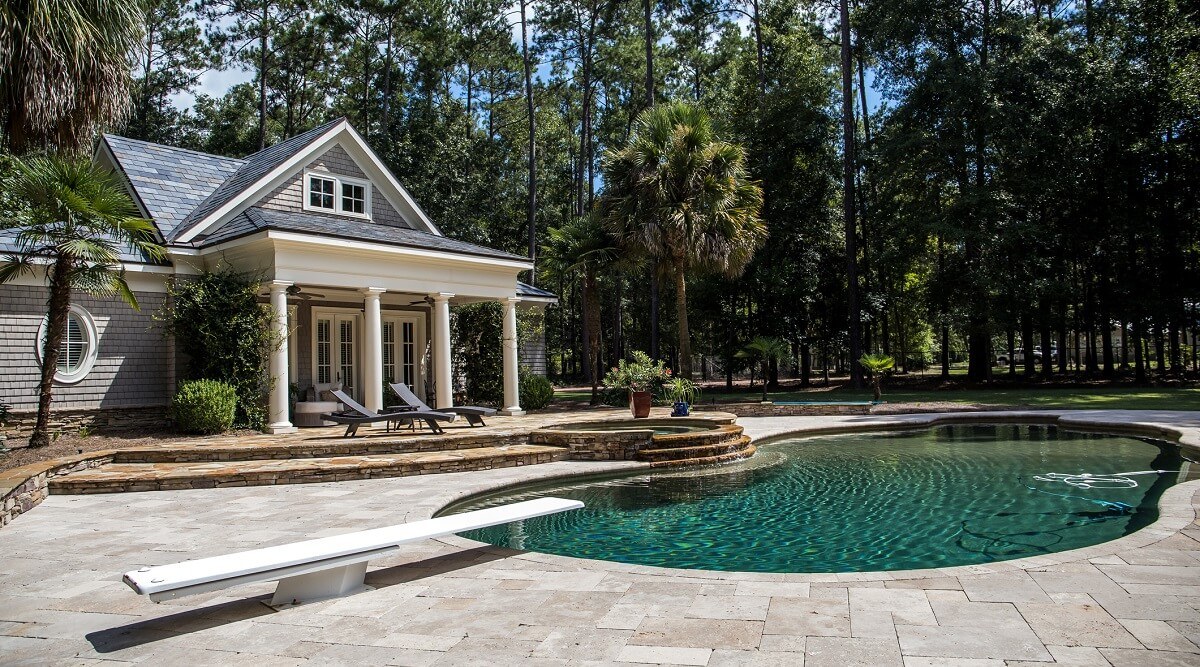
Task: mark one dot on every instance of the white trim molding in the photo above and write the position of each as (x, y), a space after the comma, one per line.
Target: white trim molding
(92, 339)
(339, 134)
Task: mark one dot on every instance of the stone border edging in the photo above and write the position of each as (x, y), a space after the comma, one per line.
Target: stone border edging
(1176, 506)
(24, 487)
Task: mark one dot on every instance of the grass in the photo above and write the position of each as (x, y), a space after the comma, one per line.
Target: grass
(1085, 397)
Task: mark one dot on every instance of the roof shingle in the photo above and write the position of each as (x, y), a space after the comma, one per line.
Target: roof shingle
(170, 182)
(254, 167)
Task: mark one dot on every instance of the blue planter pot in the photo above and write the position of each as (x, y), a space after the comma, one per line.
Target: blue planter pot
(681, 409)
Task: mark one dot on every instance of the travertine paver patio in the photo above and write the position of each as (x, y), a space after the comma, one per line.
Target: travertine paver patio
(1135, 601)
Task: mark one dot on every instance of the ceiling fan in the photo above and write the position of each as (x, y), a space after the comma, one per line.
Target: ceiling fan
(295, 292)
(425, 300)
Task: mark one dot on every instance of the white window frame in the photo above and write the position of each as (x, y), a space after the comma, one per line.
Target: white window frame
(93, 346)
(337, 194)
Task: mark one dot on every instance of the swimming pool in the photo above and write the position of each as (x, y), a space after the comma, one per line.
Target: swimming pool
(947, 496)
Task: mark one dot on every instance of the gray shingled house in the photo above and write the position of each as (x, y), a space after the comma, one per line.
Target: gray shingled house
(360, 279)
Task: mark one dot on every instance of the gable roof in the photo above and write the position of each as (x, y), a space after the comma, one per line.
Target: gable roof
(252, 169)
(255, 219)
(168, 182)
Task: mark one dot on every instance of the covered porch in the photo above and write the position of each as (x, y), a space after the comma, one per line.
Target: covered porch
(355, 314)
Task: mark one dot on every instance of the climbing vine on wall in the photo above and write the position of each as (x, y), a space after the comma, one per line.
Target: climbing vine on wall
(223, 331)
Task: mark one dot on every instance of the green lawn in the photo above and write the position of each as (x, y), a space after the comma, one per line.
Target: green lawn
(1080, 398)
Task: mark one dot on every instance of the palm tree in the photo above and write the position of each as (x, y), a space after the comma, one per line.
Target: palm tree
(79, 221)
(683, 199)
(877, 365)
(583, 247)
(765, 350)
(66, 68)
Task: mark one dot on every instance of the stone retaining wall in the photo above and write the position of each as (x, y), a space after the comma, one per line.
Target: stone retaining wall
(20, 424)
(775, 410)
(21, 489)
(596, 445)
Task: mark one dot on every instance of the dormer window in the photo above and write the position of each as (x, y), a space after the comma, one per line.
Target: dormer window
(354, 198)
(320, 192)
(337, 194)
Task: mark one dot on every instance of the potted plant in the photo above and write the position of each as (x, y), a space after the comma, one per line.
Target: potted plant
(642, 378)
(683, 393)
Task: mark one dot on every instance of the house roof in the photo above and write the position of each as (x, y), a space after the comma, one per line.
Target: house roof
(169, 182)
(256, 219)
(529, 291)
(248, 173)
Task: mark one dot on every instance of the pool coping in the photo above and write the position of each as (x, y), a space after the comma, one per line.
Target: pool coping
(1176, 506)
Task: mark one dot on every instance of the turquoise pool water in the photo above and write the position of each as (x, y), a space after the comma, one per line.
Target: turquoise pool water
(955, 495)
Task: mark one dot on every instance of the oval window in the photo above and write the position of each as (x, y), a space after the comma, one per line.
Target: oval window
(77, 352)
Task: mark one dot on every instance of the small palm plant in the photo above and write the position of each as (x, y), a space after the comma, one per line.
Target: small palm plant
(877, 365)
(765, 349)
(79, 220)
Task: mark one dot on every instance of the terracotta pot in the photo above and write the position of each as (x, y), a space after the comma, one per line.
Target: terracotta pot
(639, 404)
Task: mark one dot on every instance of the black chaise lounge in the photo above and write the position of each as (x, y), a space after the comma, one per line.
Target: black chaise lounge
(473, 413)
(356, 415)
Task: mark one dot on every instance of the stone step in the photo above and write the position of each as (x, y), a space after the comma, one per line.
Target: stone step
(695, 438)
(693, 452)
(373, 443)
(121, 477)
(729, 457)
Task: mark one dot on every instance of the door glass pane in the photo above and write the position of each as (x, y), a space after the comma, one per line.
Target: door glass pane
(389, 351)
(346, 355)
(324, 361)
(409, 356)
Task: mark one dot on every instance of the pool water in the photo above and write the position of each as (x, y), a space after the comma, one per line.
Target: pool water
(955, 495)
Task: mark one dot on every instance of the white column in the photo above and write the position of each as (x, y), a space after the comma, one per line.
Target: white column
(441, 350)
(512, 383)
(373, 353)
(279, 360)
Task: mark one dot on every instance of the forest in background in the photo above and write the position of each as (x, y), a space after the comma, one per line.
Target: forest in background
(1031, 178)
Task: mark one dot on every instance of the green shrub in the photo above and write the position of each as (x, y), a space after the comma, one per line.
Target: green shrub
(205, 406)
(536, 392)
(225, 334)
(478, 357)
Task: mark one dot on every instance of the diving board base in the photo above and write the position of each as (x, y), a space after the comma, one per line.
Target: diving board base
(323, 585)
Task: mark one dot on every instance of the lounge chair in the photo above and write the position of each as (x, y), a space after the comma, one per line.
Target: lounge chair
(473, 413)
(356, 415)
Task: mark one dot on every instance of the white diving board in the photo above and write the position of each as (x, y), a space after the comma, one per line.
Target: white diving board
(326, 567)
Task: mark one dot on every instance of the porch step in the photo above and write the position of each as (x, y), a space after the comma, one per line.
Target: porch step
(334, 445)
(121, 477)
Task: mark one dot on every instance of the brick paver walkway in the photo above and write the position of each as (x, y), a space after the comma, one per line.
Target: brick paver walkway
(1135, 601)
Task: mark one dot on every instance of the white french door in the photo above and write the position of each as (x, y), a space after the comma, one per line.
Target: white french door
(336, 352)
(403, 344)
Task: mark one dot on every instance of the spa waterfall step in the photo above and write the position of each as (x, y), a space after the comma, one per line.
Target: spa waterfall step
(118, 477)
(734, 447)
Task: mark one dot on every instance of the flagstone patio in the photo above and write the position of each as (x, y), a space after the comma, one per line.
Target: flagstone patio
(1133, 601)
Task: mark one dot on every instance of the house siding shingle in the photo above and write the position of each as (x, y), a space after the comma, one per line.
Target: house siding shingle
(289, 196)
(134, 366)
